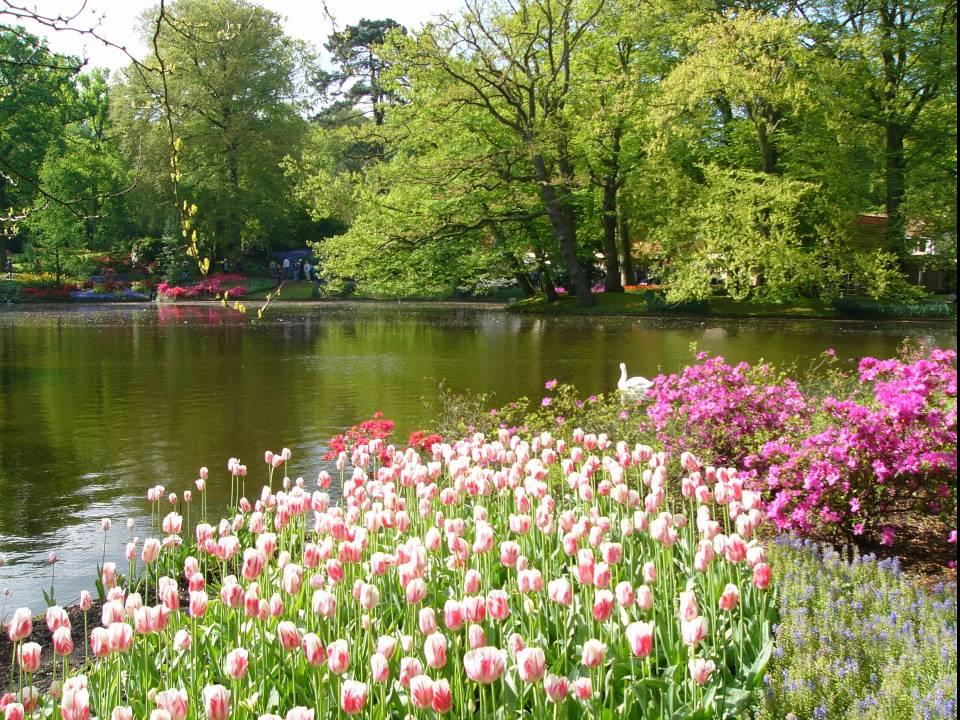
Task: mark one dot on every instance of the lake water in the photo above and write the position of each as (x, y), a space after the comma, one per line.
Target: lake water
(98, 403)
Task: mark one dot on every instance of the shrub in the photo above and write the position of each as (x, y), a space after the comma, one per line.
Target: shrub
(860, 307)
(886, 450)
(858, 640)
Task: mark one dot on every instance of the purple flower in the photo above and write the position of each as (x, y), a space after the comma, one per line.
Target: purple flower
(550, 384)
(546, 401)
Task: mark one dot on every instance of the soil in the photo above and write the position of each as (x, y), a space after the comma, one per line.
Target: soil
(44, 637)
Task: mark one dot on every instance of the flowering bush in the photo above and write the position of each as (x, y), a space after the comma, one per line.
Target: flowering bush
(886, 450)
(216, 285)
(496, 577)
(857, 639)
(376, 428)
(45, 293)
(726, 409)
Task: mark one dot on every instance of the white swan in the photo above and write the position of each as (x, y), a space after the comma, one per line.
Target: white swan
(634, 387)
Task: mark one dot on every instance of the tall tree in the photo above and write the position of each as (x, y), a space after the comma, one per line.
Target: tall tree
(515, 62)
(234, 94)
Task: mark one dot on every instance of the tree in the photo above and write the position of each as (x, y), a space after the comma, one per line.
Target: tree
(36, 91)
(234, 93)
(357, 82)
(515, 63)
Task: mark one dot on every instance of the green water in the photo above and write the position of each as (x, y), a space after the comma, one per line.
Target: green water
(99, 403)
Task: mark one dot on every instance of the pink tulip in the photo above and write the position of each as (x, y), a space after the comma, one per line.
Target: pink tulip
(435, 651)
(122, 712)
(688, 606)
(13, 711)
(182, 640)
(453, 615)
(560, 591)
(427, 621)
(216, 702)
(28, 654)
(640, 638)
(761, 576)
(583, 689)
(442, 697)
(476, 637)
(198, 604)
(649, 573)
(531, 664)
(21, 625)
(602, 605)
(485, 664)
(313, 650)
(174, 702)
(56, 617)
(556, 688)
(593, 653)
(474, 608)
(498, 606)
(624, 594)
(300, 713)
(416, 591)
(324, 604)
(421, 691)
(99, 642)
(288, 635)
(86, 601)
(701, 670)
(149, 555)
(693, 631)
(338, 657)
(386, 645)
(353, 697)
(62, 641)
(75, 699)
(120, 637)
(471, 582)
(235, 664)
(730, 597)
(380, 668)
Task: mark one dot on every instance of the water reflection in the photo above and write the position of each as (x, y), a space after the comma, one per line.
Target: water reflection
(96, 404)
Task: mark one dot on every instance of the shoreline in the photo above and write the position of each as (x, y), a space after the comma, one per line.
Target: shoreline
(568, 310)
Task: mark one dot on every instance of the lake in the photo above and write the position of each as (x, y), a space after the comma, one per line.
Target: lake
(98, 403)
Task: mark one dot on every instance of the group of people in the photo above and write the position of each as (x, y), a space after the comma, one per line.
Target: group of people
(299, 269)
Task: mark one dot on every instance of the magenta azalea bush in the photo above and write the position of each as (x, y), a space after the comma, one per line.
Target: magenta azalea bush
(215, 285)
(886, 450)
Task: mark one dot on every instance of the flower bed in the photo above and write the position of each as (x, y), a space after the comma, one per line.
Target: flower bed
(857, 639)
(214, 286)
(496, 577)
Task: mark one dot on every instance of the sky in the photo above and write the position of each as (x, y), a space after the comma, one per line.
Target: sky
(305, 20)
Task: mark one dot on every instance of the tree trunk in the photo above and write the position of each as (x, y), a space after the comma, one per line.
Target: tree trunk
(564, 224)
(611, 261)
(768, 150)
(895, 186)
(627, 272)
(522, 277)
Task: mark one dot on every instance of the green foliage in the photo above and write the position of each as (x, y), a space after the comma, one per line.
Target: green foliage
(858, 307)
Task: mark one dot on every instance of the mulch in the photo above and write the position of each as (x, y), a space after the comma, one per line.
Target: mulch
(41, 635)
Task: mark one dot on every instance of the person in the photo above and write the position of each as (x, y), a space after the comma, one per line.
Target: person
(306, 270)
(226, 266)
(286, 268)
(8, 266)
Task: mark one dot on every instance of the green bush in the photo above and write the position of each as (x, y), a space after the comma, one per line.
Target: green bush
(857, 639)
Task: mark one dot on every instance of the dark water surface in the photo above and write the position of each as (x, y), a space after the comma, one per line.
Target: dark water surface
(97, 403)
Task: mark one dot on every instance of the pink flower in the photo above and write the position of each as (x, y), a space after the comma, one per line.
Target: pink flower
(453, 615)
(435, 650)
(198, 604)
(288, 635)
(75, 700)
(485, 664)
(235, 664)
(560, 591)
(300, 713)
(56, 617)
(688, 606)
(556, 688)
(216, 702)
(353, 697)
(693, 631)
(338, 657)
(122, 712)
(149, 555)
(421, 691)
(28, 655)
(701, 670)
(730, 597)
(313, 650)
(531, 664)
(379, 668)
(593, 653)
(644, 597)
(498, 606)
(13, 711)
(99, 642)
(21, 625)
(476, 637)
(62, 641)
(583, 689)
(640, 638)
(442, 696)
(174, 702)
(120, 637)
(416, 591)
(761, 576)
(602, 605)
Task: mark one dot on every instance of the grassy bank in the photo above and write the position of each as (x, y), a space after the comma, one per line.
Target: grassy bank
(646, 303)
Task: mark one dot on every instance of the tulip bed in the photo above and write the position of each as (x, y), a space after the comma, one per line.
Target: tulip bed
(504, 576)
